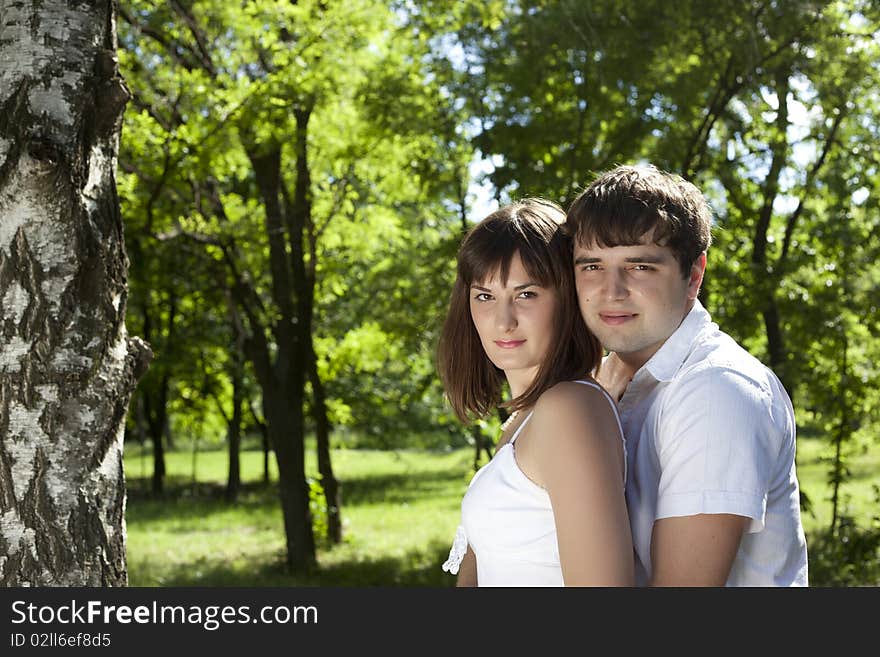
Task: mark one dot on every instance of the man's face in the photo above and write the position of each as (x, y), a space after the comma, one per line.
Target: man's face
(634, 297)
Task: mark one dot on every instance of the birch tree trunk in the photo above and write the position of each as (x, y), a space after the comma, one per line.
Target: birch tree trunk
(67, 366)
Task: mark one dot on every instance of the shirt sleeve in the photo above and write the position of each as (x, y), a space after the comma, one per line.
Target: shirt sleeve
(716, 445)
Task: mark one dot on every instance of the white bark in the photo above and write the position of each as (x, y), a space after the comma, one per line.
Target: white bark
(67, 366)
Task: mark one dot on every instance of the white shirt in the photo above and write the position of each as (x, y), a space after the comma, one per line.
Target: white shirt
(710, 429)
(508, 521)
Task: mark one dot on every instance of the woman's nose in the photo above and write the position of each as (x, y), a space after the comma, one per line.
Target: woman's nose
(505, 317)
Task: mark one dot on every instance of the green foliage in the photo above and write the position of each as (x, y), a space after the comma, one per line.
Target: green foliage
(769, 106)
(318, 509)
(849, 555)
(387, 165)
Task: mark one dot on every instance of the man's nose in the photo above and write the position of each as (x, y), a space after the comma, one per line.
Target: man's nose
(615, 285)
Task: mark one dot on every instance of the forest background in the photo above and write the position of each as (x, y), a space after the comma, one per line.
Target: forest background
(295, 178)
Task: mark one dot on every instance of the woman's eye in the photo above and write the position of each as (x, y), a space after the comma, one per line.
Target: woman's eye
(482, 296)
(527, 294)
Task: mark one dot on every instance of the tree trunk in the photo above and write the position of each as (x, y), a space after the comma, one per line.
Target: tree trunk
(67, 365)
(156, 409)
(767, 280)
(332, 492)
(282, 376)
(233, 481)
(267, 449)
(155, 400)
(283, 412)
(264, 436)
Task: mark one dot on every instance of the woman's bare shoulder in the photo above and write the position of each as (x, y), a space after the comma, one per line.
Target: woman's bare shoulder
(571, 397)
(576, 424)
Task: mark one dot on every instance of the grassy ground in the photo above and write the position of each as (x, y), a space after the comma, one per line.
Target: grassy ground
(400, 510)
(857, 495)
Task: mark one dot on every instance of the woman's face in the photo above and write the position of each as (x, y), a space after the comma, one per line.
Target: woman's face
(515, 322)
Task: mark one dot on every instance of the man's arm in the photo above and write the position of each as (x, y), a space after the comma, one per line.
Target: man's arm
(716, 447)
(695, 550)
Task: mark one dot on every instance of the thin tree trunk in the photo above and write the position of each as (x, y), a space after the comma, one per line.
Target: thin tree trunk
(264, 440)
(282, 377)
(156, 407)
(155, 400)
(332, 490)
(767, 279)
(233, 481)
(301, 223)
(284, 417)
(67, 365)
(837, 466)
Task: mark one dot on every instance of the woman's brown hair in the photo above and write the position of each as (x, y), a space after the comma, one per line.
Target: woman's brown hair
(531, 228)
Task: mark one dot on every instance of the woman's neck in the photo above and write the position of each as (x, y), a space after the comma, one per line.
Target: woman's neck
(520, 380)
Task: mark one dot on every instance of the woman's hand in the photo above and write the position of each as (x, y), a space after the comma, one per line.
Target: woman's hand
(614, 375)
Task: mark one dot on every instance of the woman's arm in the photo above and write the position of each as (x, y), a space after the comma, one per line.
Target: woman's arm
(576, 450)
(467, 571)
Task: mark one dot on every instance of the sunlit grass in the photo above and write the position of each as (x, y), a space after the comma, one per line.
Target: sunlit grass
(857, 496)
(400, 509)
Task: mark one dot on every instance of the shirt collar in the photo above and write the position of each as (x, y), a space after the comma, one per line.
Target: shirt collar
(669, 357)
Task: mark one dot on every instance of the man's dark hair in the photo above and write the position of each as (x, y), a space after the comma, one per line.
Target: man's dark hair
(627, 203)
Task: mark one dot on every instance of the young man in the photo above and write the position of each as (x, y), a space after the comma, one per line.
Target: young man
(710, 431)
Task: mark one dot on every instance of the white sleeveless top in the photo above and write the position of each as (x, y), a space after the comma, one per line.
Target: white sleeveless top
(508, 521)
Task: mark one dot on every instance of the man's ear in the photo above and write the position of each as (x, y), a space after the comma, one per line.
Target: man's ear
(695, 280)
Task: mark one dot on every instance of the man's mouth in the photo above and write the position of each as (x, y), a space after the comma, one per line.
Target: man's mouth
(617, 318)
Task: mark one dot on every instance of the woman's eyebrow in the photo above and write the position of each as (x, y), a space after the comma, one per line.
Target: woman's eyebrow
(474, 286)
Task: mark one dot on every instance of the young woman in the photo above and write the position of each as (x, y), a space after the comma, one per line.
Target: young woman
(549, 508)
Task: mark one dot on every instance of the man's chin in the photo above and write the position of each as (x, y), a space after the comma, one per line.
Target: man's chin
(618, 346)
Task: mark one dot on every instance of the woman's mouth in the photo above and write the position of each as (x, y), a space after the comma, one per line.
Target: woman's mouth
(509, 344)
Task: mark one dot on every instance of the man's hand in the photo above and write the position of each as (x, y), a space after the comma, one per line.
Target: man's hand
(614, 375)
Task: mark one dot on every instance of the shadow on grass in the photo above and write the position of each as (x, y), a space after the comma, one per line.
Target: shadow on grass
(399, 488)
(417, 568)
(187, 503)
(185, 499)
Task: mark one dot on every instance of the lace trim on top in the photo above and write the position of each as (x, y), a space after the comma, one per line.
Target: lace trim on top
(456, 552)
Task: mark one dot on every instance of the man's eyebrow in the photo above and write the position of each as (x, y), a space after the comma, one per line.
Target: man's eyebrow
(650, 259)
